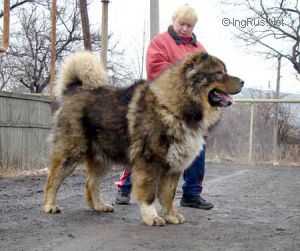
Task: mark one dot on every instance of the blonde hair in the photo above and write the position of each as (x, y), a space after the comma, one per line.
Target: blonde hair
(187, 14)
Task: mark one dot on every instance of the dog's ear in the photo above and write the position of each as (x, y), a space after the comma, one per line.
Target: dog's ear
(193, 62)
(204, 55)
(198, 58)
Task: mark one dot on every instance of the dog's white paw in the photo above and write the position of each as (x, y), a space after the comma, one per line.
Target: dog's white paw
(176, 218)
(150, 216)
(154, 221)
(104, 208)
(52, 209)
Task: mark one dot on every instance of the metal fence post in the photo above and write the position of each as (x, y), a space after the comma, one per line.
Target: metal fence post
(251, 132)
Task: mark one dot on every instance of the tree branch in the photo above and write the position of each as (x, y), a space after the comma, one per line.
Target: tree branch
(17, 4)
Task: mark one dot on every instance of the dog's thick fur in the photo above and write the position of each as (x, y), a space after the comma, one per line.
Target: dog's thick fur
(156, 127)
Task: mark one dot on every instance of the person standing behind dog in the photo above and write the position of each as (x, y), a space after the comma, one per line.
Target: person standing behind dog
(164, 50)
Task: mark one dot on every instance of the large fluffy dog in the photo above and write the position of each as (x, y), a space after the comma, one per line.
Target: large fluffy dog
(155, 127)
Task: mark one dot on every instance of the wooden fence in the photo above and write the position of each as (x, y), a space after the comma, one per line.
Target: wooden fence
(25, 122)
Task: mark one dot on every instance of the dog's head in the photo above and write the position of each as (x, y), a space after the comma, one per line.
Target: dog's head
(207, 75)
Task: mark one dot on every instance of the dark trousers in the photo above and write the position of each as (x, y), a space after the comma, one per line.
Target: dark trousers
(192, 176)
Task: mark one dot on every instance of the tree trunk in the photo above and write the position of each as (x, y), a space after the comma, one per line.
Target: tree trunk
(85, 25)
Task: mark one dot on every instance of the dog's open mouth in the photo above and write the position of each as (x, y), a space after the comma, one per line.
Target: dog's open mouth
(219, 98)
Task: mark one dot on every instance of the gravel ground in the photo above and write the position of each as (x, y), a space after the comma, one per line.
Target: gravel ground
(256, 208)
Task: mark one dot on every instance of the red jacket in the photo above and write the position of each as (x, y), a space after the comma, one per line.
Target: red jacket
(166, 49)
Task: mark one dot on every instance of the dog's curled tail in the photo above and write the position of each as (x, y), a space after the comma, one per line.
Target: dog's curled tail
(81, 69)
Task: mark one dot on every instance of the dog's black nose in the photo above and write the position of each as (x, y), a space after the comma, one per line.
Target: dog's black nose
(242, 83)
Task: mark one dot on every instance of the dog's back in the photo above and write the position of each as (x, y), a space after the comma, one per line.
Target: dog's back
(92, 114)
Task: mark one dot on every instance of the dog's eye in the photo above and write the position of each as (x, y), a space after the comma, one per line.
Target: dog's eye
(219, 75)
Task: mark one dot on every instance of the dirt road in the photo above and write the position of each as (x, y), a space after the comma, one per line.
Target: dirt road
(256, 208)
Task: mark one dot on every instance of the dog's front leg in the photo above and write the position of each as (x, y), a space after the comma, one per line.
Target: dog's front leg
(166, 194)
(144, 181)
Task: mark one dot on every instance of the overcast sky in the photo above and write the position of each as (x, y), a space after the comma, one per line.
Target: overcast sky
(129, 19)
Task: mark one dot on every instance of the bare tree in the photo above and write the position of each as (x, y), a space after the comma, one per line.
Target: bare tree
(5, 73)
(26, 67)
(30, 46)
(273, 25)
(286, 123)
(120, 74)
(16, 4)
(138, 47)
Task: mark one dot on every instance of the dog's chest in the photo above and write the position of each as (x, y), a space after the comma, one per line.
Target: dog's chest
(181, 154)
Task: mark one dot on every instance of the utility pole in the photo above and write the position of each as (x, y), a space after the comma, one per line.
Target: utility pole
(85, 24)
(276, 113)
(104, 32)
(53, 45)
(154, 18)
(5, 38)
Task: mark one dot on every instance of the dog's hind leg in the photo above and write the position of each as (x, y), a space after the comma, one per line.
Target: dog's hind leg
(144, 181)
(95, 171)
(166, 194)
(61, 167)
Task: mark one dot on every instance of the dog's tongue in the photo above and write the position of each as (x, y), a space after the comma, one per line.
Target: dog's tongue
(224, 99)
